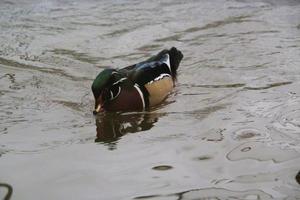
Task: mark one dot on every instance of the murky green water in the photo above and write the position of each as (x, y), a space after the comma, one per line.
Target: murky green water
(230, 129)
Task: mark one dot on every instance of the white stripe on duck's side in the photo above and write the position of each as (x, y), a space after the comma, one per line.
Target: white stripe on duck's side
(161, 76)
(136, 86)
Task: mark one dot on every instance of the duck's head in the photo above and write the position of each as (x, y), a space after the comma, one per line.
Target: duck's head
(100, 88)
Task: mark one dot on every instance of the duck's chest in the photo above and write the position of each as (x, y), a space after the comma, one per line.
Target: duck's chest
(128, 99)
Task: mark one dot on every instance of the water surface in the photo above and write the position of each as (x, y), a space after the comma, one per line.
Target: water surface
(230, 129)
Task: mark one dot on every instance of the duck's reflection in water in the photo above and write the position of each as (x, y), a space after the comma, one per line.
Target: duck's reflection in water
(112, 126)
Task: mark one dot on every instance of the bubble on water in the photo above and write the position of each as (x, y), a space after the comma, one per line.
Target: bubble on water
(245, 149)
(214, 135)
(202, 158)
(248, 133)
(162, 167)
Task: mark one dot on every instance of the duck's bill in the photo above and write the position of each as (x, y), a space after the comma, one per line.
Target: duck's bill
(98, 109)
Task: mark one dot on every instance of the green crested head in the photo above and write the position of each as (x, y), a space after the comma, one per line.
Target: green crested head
(101, 82)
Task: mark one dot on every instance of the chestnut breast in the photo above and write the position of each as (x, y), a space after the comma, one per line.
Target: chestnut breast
(128, 99)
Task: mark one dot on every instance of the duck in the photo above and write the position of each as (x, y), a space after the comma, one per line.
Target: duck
(137, 87)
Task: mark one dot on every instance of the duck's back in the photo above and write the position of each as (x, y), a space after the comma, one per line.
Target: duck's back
(155, 76)
(146, 72)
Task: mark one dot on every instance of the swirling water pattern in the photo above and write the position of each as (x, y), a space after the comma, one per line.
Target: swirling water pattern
(230, 129)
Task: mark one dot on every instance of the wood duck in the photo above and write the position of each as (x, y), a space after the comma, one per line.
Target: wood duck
(139, 86)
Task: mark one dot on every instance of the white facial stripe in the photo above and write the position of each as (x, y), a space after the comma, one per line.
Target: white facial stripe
(122, 79)
(167, 62)
(141, 94)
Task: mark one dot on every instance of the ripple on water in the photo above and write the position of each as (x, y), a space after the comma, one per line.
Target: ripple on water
(288, 120)
(253, 150)
(9, 190)
(286, 176)
(3, 151)
(268, 86)
(211, 193)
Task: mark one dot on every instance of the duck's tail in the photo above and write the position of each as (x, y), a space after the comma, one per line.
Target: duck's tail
(175, 59)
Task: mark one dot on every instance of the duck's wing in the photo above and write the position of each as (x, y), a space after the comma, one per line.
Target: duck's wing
(170, 57)
(146, 72)
(161, 56)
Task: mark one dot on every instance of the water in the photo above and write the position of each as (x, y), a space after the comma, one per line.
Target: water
(229, 130)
